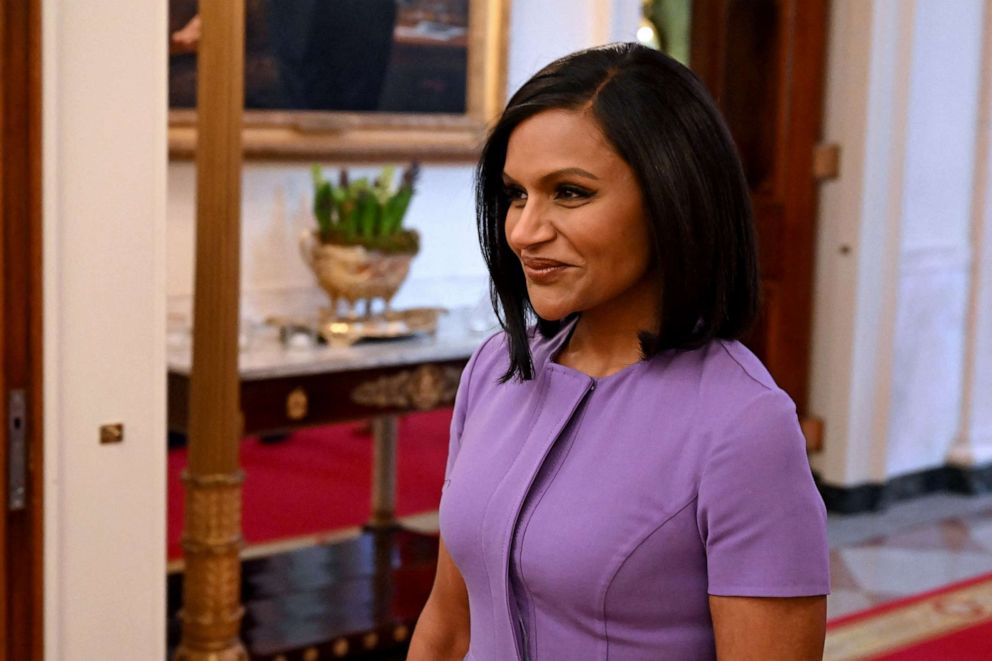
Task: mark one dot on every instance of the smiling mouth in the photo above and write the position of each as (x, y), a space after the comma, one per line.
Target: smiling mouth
(538, 263)
(543, 271)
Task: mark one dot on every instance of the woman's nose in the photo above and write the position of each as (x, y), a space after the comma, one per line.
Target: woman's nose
(529, 225)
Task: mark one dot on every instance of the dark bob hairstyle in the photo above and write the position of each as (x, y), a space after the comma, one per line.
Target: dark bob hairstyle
(662, 122)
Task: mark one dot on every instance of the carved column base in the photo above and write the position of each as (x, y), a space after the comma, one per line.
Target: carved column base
(212, 610)
(235, 653)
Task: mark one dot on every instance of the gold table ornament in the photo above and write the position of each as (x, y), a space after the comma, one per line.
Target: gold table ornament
(423, 388)
(392, 324)
(297, 404)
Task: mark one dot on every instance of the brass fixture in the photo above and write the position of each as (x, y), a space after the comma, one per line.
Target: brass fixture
(112, 433)
(296, 404)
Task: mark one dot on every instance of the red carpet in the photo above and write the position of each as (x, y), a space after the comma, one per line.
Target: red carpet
(318, 479)
(952, 623)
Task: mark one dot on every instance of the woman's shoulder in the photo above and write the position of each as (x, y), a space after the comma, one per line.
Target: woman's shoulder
(493, 352)
(760, 417)
(729, 373)
(491, 359)
(732, 356)
(488, 352)
(734, 393)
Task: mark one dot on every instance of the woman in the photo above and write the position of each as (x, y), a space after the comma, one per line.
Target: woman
(625, 480)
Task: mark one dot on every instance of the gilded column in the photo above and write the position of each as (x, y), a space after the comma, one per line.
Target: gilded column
(212, 610)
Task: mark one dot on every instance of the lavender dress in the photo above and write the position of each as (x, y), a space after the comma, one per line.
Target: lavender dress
(590, 518)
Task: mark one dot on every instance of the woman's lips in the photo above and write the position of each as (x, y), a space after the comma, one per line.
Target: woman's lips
(543, 271)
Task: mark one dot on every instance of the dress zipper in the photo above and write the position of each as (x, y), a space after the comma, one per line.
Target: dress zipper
(525, 648)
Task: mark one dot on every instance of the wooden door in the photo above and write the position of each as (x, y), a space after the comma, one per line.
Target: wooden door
(20, 332)
(764, 61)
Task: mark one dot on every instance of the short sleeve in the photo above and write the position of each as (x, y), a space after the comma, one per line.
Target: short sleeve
(759, 513)
(461, 410)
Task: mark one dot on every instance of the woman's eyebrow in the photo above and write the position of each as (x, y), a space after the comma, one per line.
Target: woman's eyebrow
(573, 171)
(576, 172)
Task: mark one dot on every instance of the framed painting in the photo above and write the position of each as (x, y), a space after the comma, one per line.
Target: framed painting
(354, 80)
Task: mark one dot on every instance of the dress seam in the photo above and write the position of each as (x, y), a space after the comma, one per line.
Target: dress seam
(744, 369)
(609, 584)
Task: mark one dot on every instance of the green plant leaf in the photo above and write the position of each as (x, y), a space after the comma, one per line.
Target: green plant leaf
(357, 186)
(367, 210)
(384, 184)
(355, 212)
(317, 175)
(395, 210)
(323, 205)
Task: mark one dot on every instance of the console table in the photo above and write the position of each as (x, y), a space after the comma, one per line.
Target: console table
(379, 581)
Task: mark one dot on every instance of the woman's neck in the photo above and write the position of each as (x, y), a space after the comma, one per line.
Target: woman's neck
(606, 338)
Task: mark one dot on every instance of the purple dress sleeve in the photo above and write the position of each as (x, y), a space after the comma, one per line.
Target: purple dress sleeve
(759, 514)
(461, 410)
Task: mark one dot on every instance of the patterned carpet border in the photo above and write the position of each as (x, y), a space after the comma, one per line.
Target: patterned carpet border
(910, 621)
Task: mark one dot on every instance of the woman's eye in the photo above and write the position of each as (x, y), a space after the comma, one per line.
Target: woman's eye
(515, 195)
(572, 193)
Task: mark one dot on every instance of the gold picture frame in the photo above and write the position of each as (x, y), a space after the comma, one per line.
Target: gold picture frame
(380, 136)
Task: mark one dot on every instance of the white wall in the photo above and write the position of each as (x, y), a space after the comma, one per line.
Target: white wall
(889, 340)
(973, 445)
(934, 249)
(276, 210)
(104, 148)
(449, 269)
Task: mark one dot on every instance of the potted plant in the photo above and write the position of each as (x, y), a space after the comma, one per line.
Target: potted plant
(360, 249)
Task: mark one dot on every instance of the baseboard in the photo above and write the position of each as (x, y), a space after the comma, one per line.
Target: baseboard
(873, 497)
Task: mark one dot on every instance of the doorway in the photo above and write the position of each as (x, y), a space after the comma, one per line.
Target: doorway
(21, 567)
(764, 62)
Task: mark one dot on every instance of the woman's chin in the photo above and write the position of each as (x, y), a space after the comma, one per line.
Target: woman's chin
(551, 312)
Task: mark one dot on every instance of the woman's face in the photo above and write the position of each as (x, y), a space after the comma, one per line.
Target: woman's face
(576, 219)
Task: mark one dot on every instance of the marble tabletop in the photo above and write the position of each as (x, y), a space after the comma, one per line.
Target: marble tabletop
(264, 356)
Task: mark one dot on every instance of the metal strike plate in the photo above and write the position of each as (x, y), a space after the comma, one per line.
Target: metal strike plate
(17, 473)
